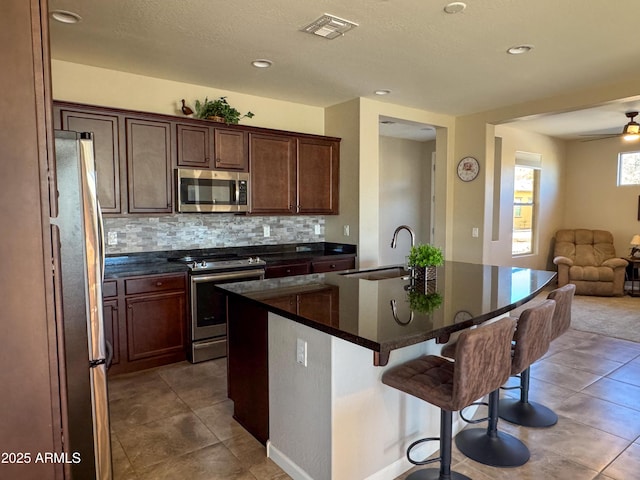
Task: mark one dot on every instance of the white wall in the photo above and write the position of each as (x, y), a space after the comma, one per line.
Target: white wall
(110, 88)
(593, 199)
(404, 190)
(551, 198)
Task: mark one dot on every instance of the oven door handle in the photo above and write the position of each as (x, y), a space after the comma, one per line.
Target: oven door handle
(217, 277)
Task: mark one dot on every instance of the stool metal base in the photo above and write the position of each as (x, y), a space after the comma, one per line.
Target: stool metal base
(501, 450)
(527, 414)
(434, 474)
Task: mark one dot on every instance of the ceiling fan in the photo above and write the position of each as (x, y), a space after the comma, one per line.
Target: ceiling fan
(630, 132)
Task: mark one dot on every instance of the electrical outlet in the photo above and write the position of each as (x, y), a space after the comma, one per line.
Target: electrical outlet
(474, 232)
(301, 352)
(345, 230)
(316, 229)
(112, 238)
(266, 229)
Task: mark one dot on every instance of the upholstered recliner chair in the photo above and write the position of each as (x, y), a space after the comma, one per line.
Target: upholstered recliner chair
(588, 259)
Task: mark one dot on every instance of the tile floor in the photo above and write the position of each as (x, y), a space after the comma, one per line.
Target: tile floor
(175, 421)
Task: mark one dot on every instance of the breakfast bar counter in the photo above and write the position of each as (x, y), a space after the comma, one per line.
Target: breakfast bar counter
(306, 353)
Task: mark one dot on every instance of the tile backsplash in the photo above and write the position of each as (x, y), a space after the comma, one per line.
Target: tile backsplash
(189, 231)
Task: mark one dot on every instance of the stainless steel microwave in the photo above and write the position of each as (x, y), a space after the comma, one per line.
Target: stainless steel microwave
(212, 190)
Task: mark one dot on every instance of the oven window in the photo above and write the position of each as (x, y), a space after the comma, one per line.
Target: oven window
(210, 305)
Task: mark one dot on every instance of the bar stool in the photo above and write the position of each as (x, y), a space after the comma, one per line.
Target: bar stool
(521, 411)
(482, 364)
(490, 446)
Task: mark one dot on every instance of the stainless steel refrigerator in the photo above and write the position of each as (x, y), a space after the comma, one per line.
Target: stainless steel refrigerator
(77, 231)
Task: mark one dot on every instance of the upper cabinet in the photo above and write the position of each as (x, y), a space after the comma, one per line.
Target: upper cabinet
(294, 174)
(149, 166)
(211, 147)
(317, 175)
(136, 155)
(194, 146)
(105, 130)
(272, 166)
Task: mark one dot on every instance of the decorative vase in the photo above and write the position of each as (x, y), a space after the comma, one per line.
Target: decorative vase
(425, 279)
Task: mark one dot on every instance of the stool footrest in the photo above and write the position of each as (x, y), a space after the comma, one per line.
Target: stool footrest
(419, 442)
(527, 414)
(478, 420)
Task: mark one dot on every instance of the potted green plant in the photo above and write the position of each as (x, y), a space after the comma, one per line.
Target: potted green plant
(423, 260)
(219, 110)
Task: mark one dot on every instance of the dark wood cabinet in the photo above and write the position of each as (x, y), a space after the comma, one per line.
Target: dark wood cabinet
(154, 326)
(194, 145)
(106, 145)
(110, 309)
(272, 166)
(136, 152)
(287, 270)
(323, 264)
(293, 175)
(317, 176)
(146, 321)
(231, 149)
(248, 366)
(333, 264)
(149, 166)
(207, 147)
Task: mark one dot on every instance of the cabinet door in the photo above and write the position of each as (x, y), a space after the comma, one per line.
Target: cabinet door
(149, 166)
(272, 169)
(317, 175)
(107, 155)
(230, 149)
(193, 146)
(111, 330)
(332, 265)
(155, 325)
(297, 268)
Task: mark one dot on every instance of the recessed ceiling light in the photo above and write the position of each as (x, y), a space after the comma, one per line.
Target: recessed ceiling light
(64, 16)
(455, 7)
(520, 49)
(262, 63)
(382, 92)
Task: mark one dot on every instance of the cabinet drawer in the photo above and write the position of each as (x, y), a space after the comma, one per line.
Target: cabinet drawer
(333, 265)
(110, 289)
(154, 284)
(287, 270)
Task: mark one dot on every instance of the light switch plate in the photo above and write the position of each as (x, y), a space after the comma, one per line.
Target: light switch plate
(316, 229)
(301, 352)
(266, 230)
(112, 238)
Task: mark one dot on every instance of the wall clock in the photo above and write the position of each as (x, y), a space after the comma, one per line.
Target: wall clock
(468, 169)
(462, 316)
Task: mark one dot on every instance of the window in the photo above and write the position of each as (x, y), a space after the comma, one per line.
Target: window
(629, 168)
(524, 210)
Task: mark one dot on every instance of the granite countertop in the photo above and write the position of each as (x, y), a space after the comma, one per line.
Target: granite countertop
(149, 263)
(377, 315)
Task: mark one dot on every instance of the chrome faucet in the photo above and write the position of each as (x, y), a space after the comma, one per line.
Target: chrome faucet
(395, 235)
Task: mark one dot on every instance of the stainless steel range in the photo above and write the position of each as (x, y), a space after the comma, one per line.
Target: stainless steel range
(208, 329)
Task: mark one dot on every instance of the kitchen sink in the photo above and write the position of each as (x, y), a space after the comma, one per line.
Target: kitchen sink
(380, 273)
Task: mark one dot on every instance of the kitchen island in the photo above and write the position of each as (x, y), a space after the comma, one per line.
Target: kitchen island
(306, 355)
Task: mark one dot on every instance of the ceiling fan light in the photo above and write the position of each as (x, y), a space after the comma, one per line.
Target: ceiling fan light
(631, 137)
(631, 128)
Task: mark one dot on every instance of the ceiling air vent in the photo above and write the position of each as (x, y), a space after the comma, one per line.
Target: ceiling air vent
(329, 26)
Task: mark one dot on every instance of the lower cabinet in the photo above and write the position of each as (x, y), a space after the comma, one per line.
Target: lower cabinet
(145, 321)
